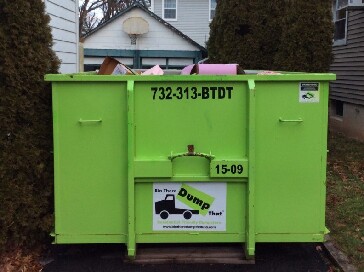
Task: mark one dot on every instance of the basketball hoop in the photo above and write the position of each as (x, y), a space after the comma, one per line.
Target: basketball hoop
(135, 27)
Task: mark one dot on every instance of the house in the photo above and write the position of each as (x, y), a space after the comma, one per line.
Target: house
(192, 17)
(176, 35)
(64, 25)
(347, 92)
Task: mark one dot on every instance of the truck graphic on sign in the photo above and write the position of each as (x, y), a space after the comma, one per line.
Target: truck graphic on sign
(168, 206)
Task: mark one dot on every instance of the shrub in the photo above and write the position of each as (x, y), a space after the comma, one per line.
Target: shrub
(306, 41)
(245, 32)
(292, 35)
(26, 163)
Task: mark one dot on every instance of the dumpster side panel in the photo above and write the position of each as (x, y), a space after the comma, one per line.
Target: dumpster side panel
(290, 160)
(90, 160)
(195, 115)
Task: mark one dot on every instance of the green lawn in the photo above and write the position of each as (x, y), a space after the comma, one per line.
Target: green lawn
(345, 196)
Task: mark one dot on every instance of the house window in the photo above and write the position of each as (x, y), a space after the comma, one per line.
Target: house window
(336, 108)
(340, 20)
(212, 9)
(170, 9)
(339, 108)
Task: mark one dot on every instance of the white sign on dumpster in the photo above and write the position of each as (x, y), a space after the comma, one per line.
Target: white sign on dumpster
(189, 207)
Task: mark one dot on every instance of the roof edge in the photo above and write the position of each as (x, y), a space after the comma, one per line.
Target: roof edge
(152, 14)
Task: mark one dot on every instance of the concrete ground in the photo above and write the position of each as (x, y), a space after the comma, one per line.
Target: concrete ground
(269, 257)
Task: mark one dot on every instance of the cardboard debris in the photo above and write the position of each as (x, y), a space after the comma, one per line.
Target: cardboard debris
(155, 70)
(111, 66)
(213, 69)
(187, 70)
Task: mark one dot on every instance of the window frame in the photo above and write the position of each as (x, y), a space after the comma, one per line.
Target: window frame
(163, 12)
(335, 10)
(210, 9)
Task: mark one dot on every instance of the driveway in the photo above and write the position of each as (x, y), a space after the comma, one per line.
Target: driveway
(269, 257)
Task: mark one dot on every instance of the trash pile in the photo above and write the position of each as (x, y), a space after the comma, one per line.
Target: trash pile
(111, 66)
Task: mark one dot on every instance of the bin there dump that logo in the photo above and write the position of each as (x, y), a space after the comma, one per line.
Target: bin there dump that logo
(195, 199)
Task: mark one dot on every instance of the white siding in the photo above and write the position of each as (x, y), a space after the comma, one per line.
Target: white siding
(159, 37)
(348, 62)
(180, 61)
(153, 61)
(96, 60)
(171, 61)
(192, 18)
(64, 24)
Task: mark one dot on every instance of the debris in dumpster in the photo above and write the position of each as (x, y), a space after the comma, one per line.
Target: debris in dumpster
(213, 69)
(111, 66)
(155, 70)
(187, 70)
(268, 73)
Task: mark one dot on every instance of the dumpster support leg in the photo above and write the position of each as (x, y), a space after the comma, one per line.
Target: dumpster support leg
(131, 185)
(250, 235)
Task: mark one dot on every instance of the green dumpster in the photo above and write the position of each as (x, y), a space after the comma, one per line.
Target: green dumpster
(190, 159)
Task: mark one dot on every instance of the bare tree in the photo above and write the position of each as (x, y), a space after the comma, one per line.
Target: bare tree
(91, 21)
(87, 7)
(112, 7)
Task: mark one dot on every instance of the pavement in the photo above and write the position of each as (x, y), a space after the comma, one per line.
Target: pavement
(308, 257)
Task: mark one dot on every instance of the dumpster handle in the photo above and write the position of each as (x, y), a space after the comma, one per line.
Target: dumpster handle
(191, 154)
(299, 120)
(89, 121)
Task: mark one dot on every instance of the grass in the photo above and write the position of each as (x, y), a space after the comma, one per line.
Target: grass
(345, 196)
(20, 260)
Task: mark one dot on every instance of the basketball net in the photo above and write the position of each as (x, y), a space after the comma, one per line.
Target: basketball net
(133, 38)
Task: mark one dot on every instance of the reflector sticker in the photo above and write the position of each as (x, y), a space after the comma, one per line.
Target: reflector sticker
(309, 92)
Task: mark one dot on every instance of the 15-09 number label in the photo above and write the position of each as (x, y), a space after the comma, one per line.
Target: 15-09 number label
(233, 169)
(213, 92)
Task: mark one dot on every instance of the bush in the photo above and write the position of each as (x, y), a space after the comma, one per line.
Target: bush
(245, 32)
(291, 35)
(26, 168)
(306, 42)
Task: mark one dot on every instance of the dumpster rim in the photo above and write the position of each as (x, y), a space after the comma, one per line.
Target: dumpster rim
(193, 78)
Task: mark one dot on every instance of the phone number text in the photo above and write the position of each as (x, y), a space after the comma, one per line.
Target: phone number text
(168, 93)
